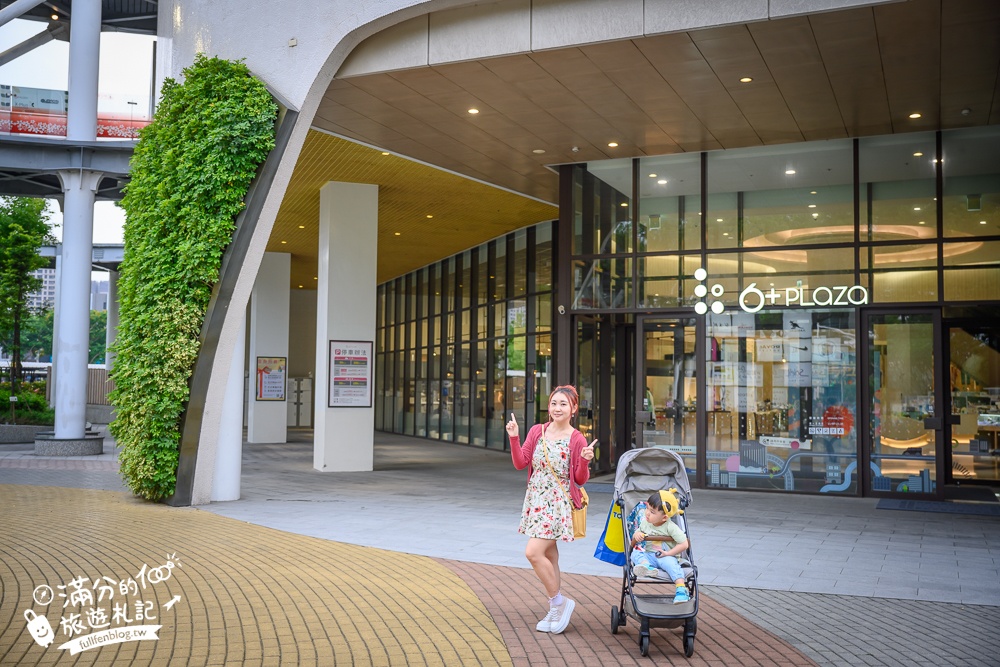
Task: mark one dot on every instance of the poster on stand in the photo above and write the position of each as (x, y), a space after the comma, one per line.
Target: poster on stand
(271, 378)
(350, 374)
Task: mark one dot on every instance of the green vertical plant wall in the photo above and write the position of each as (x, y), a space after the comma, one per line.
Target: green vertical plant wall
(190, 173)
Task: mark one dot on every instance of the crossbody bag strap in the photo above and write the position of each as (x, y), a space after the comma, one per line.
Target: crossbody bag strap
(545, 451)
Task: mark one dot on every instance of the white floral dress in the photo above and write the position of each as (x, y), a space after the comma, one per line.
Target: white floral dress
(547, 512)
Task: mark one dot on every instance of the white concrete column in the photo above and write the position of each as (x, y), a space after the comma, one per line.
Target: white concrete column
(345, 310)
(71, 338)
(84, 60)
(267, 420)
(112, 332)
(229, 450)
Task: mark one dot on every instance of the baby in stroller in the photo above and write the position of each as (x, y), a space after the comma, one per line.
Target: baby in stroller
(658, 541)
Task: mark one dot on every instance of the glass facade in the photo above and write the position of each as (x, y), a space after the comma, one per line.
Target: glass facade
(462, 343)
(780, 316)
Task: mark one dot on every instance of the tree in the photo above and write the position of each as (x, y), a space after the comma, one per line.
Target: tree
(98, 335)
(24, 228)
(36, 335)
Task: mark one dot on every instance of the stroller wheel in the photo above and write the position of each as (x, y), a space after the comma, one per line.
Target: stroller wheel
(688, 646)
(644, 645)
(615, 620)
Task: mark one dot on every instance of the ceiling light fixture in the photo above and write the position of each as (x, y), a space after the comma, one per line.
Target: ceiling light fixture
(612, 144)
(662, 181)
(302, 226)
(921, 223)
(982, 222)
(718, 219)
(812, 192)
(284, 242)
(315, 277)
(746, 79)
(473, 111)
(812, 205)
(385, 152)
(397, 233)
(430, 216)
(54, 17)
(789, 172)
(815, 215)
(538, 151)
(915, 115)
(918, 154)
(652, 175)
(624, 204)
(916, 208)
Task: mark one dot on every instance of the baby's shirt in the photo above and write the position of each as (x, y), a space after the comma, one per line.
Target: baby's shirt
(669, 529)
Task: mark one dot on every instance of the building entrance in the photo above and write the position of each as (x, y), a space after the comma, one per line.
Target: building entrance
(666, 386)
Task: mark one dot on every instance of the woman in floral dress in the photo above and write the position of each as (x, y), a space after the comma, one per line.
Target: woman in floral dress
(547, 516)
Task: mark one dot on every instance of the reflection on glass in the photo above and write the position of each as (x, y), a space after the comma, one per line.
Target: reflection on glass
(901, 381)
(974, 370)
(670, 388)
(669, 203)
(781, 396)
(602, 283)
(971, 182)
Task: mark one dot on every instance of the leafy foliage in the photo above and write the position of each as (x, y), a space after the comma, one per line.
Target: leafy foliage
(31, 406)
(191, 171)
(24, 229)
(36, 336)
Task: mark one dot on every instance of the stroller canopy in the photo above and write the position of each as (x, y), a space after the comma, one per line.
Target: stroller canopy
(643, 471)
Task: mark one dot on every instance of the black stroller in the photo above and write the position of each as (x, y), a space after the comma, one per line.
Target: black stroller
(642, 472)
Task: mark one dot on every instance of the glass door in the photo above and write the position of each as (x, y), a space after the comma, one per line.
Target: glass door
(974, 383)
(903, 401)
(666, 394)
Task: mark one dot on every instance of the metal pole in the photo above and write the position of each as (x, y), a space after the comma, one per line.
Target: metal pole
(84, 58)
(11, 12)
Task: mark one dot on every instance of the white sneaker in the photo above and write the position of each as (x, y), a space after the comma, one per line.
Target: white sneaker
(563, 613)
(644, 571)
(545, 625)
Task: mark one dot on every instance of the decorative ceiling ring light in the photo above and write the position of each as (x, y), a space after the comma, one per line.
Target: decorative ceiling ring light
(771, 241)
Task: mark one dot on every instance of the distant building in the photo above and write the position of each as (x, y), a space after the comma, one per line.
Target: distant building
(45, 297)
(98, 294)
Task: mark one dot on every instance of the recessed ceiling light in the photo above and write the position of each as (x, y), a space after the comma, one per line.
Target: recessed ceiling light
(662, 181)
(921, 223)
(624, 204)
(916, 208)
(982, 222)
(918, 154)
(789, 171)
(538, 151)
(300, 286)
(397, 233)
(812, 192)
(746, 79)
(915, 115)
(815, 215)
(473, 110)
(284, 241)
(718, 219)
(385, 152)
(54, 17)
(812, 205)
(652, 175)
(430, 216)
(612, 144)
(725, 233)
(302, 226)
(315, 277)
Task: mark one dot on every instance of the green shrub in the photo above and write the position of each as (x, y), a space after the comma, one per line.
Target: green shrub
(190, 173)
(31, 407)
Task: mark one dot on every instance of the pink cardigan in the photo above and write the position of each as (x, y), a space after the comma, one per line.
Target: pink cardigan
(579, 467)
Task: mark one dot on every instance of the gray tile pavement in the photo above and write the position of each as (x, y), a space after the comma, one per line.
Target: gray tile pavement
(844, 582)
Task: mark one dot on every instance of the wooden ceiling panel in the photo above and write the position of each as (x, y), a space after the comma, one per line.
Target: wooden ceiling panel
(820, 76)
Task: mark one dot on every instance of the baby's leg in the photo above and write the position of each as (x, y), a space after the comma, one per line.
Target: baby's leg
(672, 568)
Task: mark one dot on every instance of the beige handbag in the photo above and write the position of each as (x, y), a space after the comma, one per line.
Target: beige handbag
(579, 515)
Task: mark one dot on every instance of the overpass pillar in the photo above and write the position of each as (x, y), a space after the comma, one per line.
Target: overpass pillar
(344, 435)
(72, 335)
(84, 60)
(112, 332)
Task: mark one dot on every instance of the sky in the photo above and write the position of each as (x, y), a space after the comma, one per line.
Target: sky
(125, 75)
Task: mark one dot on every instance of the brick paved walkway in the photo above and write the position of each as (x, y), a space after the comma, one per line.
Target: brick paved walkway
(256, 596)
